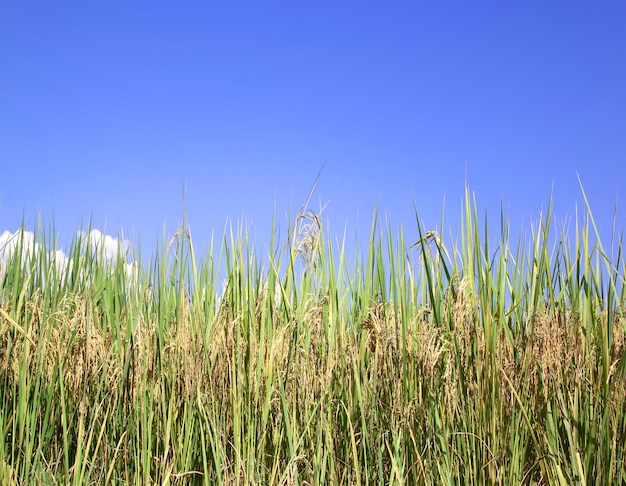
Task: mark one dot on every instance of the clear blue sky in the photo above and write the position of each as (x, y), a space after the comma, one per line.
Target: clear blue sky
(106, 107)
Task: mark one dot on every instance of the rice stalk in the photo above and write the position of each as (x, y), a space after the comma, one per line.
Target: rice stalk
(456, 362)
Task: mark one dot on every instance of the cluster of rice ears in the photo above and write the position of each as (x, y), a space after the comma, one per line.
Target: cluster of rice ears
(408, 363)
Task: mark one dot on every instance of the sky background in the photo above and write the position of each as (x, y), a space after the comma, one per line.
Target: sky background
(108, 109)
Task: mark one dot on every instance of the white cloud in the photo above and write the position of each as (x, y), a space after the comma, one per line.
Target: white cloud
(10, 242)
(103, 246)
(4, 239)
(59, 259)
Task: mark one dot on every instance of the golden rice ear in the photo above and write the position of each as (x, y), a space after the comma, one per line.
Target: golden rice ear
(308, 246)
(178, 234)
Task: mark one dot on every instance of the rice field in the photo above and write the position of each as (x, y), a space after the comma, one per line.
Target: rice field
(411, 362)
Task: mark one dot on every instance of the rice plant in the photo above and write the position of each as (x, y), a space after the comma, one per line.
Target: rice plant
(414, 362)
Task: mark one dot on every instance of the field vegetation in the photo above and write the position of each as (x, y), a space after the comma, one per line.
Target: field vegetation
(412, 362)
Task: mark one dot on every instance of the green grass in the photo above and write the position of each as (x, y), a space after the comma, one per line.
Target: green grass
(410, 363)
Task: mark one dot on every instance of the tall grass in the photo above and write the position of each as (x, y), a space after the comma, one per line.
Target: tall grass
(415, 363)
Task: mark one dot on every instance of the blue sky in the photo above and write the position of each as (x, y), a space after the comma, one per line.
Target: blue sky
(107, 107)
